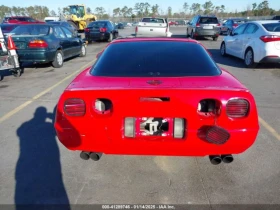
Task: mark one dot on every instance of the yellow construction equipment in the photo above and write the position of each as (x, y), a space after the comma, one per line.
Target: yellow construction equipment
(78, 16)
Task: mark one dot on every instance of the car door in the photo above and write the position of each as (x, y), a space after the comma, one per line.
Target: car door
(235, 40)
(248, 40)
(75, 44)
(63, 41)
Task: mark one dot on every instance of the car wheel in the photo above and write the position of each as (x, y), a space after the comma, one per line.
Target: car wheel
(1, 77)
(228, 32)
(249, 59)
(111, 38)
(192, 35)
(58, 59)
(83, 51)
(223, 49)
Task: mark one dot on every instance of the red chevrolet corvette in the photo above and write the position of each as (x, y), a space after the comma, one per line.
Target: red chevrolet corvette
(135, 100)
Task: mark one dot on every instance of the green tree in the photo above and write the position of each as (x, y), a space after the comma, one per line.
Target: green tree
(169, 12)
(207, 7)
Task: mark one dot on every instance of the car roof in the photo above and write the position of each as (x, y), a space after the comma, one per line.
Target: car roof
(265, 21)
(132, 39)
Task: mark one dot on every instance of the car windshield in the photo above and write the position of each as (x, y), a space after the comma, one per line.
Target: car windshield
(31, 30)
(208, 20)
(155, 58)
(54, 23)
(152, 20)
(97, 24)
(274, 27)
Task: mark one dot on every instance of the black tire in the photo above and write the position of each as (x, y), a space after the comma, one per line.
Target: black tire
(192, 36)
(215, 38)
(58, 59)
(1, 77)
(17, 72)
(223, 50)
(110, 38)
(249, 58)
(228, 32)
(83, 51)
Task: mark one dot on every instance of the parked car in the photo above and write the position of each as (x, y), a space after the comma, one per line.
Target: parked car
(231, 24)
(101, 30)
(7, 28)
(204, 26)
(277, 17)
(134, 101)
(254, 42)
(153, 27)
(21, 19)
(46, 43)
(120, 26)
(65, 24)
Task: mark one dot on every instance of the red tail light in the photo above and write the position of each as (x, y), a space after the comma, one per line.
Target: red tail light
(270, 38)
(235, 25)
(237, 108)
(103, 29)
(87, 30)
(38, 44)
(75, 107)
(136, 29)
(198, 25)
(219, 24)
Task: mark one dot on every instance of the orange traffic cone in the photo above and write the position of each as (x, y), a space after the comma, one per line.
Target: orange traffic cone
(11, 44)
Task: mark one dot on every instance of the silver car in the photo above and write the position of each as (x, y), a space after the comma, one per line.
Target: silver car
(204, 26)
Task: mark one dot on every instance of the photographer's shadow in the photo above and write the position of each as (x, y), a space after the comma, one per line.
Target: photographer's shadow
(38, 171)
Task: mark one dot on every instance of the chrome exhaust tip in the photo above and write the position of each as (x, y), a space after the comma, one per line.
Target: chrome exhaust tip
(227, 158)
(215, 159)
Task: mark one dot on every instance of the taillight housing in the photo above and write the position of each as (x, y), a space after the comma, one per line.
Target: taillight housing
(87, 30)
(235, 25)
(75, 107)
(198, 25)
(103, 29)
(213, 134)
(237, 108)
(270, 38)
(136, 29)
(219, 25)
(38, 44)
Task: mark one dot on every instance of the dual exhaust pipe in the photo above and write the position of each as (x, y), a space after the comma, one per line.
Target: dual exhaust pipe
(90, 155)
(217, 159)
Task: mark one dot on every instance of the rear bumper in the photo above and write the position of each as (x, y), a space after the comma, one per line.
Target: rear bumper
(270, 60)
(239, 142)
(36, 56)
(97, 36)
(204, 32)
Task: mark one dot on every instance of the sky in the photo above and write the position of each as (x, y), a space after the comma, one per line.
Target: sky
(109, 5)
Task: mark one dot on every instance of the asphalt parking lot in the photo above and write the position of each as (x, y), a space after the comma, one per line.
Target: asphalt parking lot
(36, 168)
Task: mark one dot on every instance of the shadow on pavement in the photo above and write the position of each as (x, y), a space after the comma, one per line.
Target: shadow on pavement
(38, 172)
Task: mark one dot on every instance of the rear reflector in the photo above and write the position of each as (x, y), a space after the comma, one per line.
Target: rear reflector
(75, 107)
(103, 29)
(237, 108)
(270, 38)
(213, 134)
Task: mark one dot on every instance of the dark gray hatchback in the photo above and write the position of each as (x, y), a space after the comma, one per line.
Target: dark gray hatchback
(203, 26)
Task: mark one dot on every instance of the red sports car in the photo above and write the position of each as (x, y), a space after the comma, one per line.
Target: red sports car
(153, 105)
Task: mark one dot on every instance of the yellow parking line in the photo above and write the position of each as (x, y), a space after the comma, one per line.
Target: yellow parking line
(22, 106)
(269, 128)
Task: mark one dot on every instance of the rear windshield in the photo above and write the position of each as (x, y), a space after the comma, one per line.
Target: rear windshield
(208, 20)
(97, 24)
(275, 27)
(239, 21)
(31, 30)
(152, 20)
(54, 22)
(155, 58)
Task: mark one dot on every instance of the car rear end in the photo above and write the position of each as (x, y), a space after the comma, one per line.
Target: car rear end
(152, 27)
(207, 27)
(33, 43)
(96, 31)
(269, 40)
(193, 109)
